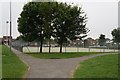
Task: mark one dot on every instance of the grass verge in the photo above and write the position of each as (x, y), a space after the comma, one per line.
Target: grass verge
(98, 67)
(62, 55)
(12, 66)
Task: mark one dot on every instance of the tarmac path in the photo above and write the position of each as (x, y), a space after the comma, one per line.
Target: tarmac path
(52, 68)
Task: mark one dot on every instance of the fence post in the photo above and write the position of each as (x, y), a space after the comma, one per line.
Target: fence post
(65, 47)
(77, 49)
(21, 48)
(89, 48)
(103, 49)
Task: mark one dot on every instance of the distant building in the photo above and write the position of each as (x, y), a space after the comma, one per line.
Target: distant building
(6, 40)
(109, 41)
(90, 42)
(77, 42)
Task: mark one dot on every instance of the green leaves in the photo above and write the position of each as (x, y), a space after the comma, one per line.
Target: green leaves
(116, 35)
(102, 40)
(40, 20)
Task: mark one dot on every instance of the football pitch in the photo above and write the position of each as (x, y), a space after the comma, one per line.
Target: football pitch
(67, 49)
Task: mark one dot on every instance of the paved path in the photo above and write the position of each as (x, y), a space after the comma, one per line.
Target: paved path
(52, 68)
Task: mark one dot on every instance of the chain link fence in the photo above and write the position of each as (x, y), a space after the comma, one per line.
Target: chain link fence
(23, 46)
(18, 45)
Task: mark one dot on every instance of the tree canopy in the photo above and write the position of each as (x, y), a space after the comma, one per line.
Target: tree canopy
(40, 20)
(102, 40)
(68, 23)
(35, 21)
(116, 35)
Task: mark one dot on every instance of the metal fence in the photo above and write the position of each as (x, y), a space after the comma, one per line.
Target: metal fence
(23, 46)
(68, 49)
(18, 45)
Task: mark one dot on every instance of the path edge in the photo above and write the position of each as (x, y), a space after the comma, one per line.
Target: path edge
(14, 50)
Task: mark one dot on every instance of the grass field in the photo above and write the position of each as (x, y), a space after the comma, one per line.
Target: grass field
(98, 67)
(0, 62)
(61, 55)
(12, 66)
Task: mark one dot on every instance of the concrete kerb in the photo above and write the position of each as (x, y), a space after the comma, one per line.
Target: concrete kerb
(73, 71)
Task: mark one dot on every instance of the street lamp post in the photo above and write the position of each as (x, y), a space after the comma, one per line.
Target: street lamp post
(10, 28)
(7, 32)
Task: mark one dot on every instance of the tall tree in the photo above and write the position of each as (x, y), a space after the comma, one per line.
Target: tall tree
(35, 21)
(44, 20)
(19, 37)
(116, 35)
(102, 40)
(49, 21)
(69, 22)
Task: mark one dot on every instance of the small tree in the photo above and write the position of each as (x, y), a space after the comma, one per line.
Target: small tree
(116, 35)
(102, 40)
(86, 43)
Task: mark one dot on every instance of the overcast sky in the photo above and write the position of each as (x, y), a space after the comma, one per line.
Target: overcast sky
(102, 16)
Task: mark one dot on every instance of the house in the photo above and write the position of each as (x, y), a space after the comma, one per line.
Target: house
(108, 41)
(6, 40)
(77, 43)
(91, 42)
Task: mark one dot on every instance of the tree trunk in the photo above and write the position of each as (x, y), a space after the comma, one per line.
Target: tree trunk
(118, 46)
(65, 46)
(41, 46)
(61, 48)
(38, 45)
(49, 46)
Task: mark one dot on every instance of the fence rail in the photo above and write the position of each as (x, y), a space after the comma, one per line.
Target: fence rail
(25, 47)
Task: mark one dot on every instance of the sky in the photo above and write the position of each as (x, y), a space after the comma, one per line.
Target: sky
(102, 16)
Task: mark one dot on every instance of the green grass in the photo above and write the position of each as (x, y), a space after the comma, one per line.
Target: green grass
(62, 55)
(0, 62)
(12, 66)
(98, 67)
